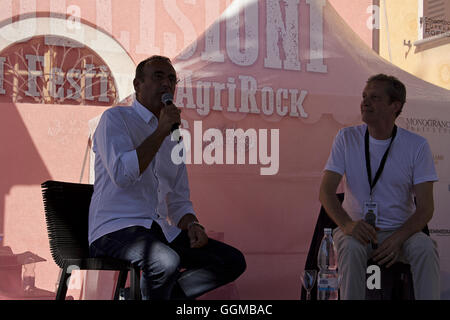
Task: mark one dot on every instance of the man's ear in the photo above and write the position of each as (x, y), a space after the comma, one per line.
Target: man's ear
(397, 105)
(136, 83)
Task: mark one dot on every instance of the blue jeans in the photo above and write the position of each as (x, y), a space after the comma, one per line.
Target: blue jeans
(205, 268)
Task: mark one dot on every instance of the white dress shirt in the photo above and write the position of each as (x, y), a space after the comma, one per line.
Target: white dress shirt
(122, 197)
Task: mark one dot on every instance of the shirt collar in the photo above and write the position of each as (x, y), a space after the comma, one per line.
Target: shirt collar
(142, 111)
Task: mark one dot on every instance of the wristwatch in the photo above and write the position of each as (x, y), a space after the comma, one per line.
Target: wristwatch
(195, 223)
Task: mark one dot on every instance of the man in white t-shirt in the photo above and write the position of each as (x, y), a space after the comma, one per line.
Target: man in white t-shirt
(385, 168)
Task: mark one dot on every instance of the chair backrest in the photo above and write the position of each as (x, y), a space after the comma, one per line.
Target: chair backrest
(67, 213)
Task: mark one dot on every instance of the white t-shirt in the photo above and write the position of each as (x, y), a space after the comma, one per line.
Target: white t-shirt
(409, 162)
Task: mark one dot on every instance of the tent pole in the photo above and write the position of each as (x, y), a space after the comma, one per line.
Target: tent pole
(387, 31)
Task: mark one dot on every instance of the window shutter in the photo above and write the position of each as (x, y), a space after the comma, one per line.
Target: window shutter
(436, 17)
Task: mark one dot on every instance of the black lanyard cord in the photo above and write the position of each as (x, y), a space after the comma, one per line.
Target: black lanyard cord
(383, 160)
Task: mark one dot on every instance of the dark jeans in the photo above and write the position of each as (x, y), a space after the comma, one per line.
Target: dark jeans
(205, 268)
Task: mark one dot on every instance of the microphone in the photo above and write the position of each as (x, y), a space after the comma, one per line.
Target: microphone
(370, 219)
(167, 99)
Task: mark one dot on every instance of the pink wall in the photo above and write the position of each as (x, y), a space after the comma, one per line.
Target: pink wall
(355, 15)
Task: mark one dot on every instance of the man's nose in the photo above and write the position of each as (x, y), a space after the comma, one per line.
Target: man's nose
(165, 80)
(166, 83)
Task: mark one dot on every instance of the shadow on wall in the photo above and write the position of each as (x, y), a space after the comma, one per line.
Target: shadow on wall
(20, 161)
(21, 164)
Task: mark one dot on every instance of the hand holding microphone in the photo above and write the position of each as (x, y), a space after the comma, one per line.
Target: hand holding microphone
(167, 99)
(170, 113)
(370, 219)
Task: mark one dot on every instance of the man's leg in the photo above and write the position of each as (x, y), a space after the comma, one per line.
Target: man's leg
(207, 268)
(352, 264)
(146, 249)
(421, 253)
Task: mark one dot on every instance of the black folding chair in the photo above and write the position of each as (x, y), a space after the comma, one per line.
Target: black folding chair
(67, 213)
(396, 281)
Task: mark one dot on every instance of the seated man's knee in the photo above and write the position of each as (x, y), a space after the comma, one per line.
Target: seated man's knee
(169, 262)
(235, 264)
(351, 247)
(239, 263)
(165, 263)
(422, 245)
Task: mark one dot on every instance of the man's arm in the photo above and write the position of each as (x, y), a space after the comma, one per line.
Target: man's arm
(424, 210)
(147, 150)
(329, 200)
(390, 248)
(360, 230)
(181, 211)
(187, 220)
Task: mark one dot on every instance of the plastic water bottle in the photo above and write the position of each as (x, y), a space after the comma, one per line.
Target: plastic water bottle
(327, 279)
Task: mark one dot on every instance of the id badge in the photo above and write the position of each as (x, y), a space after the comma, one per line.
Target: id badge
(370, 211)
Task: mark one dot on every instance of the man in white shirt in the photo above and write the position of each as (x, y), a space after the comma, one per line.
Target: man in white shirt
(385, 167)
(140, 209)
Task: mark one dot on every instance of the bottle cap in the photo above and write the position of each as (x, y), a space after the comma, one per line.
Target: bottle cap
(327, 230)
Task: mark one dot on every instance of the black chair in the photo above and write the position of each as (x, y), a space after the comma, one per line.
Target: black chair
(66, 213)
(396, 281)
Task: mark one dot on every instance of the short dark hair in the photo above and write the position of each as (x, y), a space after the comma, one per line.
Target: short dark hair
(140, 74)
(396, 90)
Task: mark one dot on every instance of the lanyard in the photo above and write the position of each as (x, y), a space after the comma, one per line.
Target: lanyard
(382, 163)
